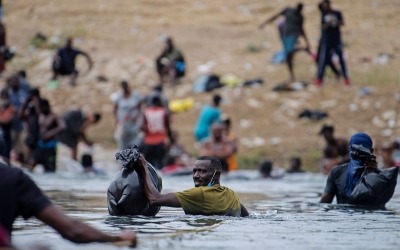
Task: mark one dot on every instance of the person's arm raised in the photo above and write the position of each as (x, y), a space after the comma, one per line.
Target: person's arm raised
(89, 60)
(269, 20)
(154, 197)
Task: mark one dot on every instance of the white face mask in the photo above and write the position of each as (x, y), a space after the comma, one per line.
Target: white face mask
(212, 181)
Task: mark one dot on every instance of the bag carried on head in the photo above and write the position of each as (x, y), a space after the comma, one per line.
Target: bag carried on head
(125, 195)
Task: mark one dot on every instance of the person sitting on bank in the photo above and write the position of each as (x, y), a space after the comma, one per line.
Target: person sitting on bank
(343, 179)
(170, 63)
(208, 197)
(335, 151)
(64, 62)
(20, 196)
(219, 146)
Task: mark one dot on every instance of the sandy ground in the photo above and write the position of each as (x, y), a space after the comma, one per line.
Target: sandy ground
(123, 38)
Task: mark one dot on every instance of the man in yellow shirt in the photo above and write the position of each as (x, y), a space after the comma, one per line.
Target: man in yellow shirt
(208, 197)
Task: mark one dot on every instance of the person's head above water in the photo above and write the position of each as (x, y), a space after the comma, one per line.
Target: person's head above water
(360, 146)
(295, 163)
(266, 168)
(206, 171)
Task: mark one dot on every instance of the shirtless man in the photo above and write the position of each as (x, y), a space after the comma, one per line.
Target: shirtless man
(218, 145)
(49, 127)
(335, 151)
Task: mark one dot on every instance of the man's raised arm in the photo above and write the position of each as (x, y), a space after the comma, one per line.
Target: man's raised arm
(154, 197)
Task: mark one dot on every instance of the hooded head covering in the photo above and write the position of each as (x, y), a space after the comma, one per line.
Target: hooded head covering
(360, 139)
(363, 142)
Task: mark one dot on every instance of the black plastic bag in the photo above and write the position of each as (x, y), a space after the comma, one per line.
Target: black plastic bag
(375, 188)
(125, 195)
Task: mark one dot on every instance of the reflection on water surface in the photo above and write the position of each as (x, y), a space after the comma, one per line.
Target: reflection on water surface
(285, 214)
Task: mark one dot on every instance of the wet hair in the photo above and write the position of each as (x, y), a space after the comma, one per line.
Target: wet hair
(214, 162)
(97, 117)
(86, 160)
(217, 100)
(266, 167)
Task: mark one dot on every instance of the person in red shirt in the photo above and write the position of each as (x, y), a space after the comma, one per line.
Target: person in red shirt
(156, 126)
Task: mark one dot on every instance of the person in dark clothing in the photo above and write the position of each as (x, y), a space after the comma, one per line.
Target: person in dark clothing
(20, 196)
(7, 112)
(329, 63)
(331, 41)
(76, 123)
(30, 112)
(343, 178)
(64, 62)
(170, 63)
(292, 29)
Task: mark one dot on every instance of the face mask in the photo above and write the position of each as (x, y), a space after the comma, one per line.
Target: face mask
(212, 181)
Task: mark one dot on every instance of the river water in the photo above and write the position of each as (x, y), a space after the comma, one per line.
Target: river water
(285, 214)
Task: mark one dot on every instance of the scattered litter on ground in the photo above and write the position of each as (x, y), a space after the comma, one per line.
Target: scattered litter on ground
(313, 114)
(387, 132)
(290, 86)
(181, 105)
(364, 91)
(253, 103)
(353, 107)
(275, 141)
(101, 78)
(383, 58)
(245, 123)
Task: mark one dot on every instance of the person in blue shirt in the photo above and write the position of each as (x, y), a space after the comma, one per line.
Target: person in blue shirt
(208, 116)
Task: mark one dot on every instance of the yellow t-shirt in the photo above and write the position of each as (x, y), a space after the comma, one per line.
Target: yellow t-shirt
(215, 200)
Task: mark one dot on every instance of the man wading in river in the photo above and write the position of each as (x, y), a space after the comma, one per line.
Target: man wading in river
(208, 197)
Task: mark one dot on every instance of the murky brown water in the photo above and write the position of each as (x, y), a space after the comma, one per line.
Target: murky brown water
(284, 215)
